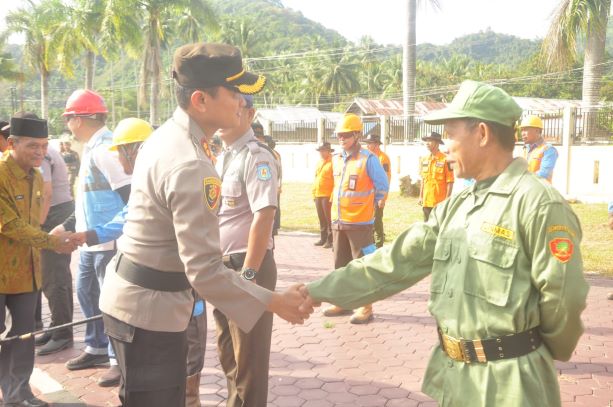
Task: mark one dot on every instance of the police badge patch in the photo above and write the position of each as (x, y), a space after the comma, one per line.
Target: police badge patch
(263, 171)
(212, 192)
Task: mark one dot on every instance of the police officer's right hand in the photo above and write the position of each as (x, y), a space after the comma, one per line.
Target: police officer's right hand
(288, 304)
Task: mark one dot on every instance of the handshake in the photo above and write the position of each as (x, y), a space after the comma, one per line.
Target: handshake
(69, 241)
(294, 305)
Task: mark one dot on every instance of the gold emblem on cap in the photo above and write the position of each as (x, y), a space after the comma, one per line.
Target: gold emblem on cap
(233, 77)
(254, 88)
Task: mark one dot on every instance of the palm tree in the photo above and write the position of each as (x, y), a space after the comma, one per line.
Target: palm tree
(242, 33)
(159, 16)
(573, 20)
(35, 23)
(8, 67)
(409, 61)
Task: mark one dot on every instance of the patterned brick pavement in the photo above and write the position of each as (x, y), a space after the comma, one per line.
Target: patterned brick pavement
(329, 362)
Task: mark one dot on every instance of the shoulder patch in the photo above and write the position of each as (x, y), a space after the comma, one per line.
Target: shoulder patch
(561, 248)
(263, 171)
(212, 192)
(560, 228)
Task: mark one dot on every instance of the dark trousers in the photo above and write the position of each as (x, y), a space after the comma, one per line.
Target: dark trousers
(57, 280)
(17, 357)
(245, 357)
(426, 213)
(196, 343)
(379, 234)
(349, 244)
(323, 206)
(152, 364)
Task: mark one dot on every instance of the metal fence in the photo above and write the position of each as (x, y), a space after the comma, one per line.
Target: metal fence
(592, 126)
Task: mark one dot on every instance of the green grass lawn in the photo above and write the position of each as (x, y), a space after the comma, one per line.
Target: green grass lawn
(298, 214)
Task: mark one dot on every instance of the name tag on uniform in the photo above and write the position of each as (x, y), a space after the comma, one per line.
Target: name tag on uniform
(353, 182)
(439, 164)
(19, 197)
(497, 231)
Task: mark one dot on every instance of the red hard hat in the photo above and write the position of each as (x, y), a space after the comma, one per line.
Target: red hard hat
(84, 102)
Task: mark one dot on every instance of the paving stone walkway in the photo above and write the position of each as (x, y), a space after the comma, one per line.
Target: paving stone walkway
(329, 362)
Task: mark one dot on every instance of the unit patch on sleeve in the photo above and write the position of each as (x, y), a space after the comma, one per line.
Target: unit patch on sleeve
(212, 192)
(263, 171)
(561, 248)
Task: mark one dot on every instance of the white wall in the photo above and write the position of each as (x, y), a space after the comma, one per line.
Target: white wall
(299, 163)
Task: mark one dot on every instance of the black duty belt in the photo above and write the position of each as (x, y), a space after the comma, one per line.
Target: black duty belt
(152, 279)
(491, 349)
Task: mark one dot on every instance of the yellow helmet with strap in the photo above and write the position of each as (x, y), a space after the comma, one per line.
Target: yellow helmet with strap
(531, 121)
(131, 130)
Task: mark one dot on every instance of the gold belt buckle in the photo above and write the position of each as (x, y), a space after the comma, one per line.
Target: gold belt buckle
(453, 348)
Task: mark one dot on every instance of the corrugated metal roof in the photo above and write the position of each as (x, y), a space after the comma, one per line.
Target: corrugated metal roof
(367, 107)
(295, 114)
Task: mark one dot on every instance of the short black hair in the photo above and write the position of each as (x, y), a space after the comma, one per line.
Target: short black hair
(184, 95)
(504, 134)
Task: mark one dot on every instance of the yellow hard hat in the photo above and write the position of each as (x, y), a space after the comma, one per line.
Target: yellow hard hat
(350, 122)
(131, 130)
(531, 121)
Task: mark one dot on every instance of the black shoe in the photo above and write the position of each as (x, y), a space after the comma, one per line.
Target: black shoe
(319, 243)
(86, 360)
(327, 245)
(33, 402)
(111, 377)
(53, 346)
(42, 339)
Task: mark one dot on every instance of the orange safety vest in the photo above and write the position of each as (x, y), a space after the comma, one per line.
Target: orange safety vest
(435, 175)
(386, 164)
(324, 180)
(353, 199)
(535, 157)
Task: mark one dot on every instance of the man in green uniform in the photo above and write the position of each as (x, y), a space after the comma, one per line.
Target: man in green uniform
(21, 186)
(507, 285)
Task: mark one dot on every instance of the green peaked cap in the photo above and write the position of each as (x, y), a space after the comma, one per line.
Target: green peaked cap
(480, 101)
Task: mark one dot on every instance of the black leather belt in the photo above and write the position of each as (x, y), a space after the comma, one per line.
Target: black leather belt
(487, 350)
(152, 279)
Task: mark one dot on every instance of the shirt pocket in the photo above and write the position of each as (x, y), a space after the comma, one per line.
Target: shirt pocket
(231, 189)
(442, 253)
(490, 274)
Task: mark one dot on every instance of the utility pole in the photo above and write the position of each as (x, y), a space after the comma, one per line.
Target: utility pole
(409, 57)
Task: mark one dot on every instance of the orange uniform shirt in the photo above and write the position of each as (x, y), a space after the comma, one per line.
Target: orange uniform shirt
(324, 179)
(435, 175)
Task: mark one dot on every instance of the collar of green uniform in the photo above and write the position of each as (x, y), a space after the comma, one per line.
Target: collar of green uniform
(17, 171)
(509, 178)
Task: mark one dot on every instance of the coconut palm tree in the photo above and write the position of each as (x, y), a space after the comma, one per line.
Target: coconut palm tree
(8, 68)
(35, 22)
(574, 20)
(159, 17)
(409, 60)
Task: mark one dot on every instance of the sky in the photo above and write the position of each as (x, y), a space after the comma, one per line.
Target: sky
(384, 20)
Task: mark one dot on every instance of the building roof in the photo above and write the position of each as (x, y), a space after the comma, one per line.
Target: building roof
(295, 114)
(371, 107)
(368, 107)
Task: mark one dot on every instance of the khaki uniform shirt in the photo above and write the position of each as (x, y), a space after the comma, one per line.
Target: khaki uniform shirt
(172, 226)
(20, 233)
(503, 259)
(250, 183)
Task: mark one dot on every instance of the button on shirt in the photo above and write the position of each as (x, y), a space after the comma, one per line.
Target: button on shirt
(243, 194)
(521, 268)
(172, 226)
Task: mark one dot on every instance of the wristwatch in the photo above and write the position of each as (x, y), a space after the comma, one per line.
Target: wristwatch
(248, 274)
